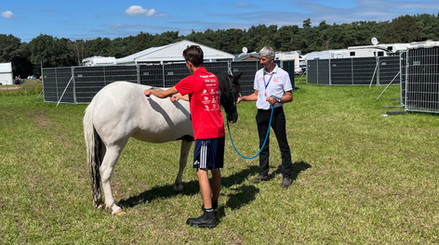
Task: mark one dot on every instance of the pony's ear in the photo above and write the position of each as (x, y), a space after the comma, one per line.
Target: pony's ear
(235, 78)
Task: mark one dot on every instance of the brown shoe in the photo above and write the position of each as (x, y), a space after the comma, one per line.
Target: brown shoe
(259, 178)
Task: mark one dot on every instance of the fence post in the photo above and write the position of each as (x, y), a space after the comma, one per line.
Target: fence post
(105, 75)
(74, 85)
(163, 75)
(56, 83)
(352, 71)
(138, 73)
(407, 66)
(329, 72)
(317, 71)
(378, 70)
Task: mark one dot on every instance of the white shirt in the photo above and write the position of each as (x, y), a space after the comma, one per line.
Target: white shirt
(274, 83)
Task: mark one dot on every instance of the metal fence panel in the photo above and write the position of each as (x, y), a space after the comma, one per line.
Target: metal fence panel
(318, 72)
(217, 67)
(120, 73)
(353, 71)
(363, 70)
(58, 79)
(152, 75)
(49, 86)
(422, 80)
(389, 69)
(341, 72)
(248, 69)
(324, 72)
(174, 73)
(88, 81)
(85, 82)
(312, 72)
(289, 66)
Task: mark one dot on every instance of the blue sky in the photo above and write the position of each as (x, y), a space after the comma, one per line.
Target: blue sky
(79, 19)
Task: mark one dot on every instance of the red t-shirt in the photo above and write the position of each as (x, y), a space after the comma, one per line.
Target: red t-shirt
(204, 98)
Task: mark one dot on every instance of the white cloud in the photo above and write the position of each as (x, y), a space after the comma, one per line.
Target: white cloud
(135, 10)
(242, 4)
(8, 15)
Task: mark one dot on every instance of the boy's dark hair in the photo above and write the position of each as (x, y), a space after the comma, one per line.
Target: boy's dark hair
(194, 54)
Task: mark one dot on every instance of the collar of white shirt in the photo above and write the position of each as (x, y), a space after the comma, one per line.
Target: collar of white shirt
(273, 71)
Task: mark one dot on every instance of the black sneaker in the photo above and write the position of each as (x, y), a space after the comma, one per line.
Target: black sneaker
(286, 182)
(259, 178)
(206, 220)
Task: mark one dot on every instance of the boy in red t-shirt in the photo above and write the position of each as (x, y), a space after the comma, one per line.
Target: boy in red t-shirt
(202, 90)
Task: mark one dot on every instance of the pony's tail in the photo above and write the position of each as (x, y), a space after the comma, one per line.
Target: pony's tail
(94, 154)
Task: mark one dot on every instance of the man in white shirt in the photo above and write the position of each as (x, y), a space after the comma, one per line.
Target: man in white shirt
(273, 88)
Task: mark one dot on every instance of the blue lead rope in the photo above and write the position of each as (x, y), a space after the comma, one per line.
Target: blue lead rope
(265, 141)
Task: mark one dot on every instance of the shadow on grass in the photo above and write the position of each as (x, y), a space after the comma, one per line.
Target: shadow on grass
(245, 193)
(297, 168)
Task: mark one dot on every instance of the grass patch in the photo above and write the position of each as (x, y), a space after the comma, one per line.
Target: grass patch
(29, 87)
(359, 178)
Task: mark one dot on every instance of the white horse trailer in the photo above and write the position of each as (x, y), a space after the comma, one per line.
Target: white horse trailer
(291, 55)
(6, 74)
(98, 61)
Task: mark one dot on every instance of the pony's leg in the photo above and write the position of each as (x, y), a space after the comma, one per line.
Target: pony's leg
(106, 170)
(99, 203)
(185, 147)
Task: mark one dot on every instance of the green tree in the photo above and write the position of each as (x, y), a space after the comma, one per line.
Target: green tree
(77, 50)
(98, 47)
(285, 38)
(428, 26)
(21, 64)
(306, 24)
(401, 30)
(198, 37)
(165, 38)
(261, 36)
(120, 46)
(9, 45)
(140, 42)
(12, 50)
(50, 51)
(210, 38)
(324, 30)
(311, 37)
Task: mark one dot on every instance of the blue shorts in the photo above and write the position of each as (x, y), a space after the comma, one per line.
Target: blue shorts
(209, 153)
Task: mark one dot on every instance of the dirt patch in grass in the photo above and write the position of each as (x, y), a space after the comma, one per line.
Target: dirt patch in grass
(46, 124)
(10, 88)
(42, 121)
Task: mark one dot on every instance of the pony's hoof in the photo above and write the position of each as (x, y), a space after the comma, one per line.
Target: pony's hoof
(100, 206)
(178, 188)
(119, 212)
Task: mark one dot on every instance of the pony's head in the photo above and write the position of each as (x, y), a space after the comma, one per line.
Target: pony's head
(230, 91)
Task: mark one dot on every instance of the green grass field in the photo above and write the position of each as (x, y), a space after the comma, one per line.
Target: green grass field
(360, 178)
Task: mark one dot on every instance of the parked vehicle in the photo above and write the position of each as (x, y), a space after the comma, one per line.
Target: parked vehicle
(32, 77)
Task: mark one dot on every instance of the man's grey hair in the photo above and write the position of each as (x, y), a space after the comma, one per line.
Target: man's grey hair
(267, 51)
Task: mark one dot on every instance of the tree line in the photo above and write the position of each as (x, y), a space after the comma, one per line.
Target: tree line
(48, 51)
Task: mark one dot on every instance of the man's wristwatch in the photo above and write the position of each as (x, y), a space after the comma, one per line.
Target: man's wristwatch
(277, 98)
